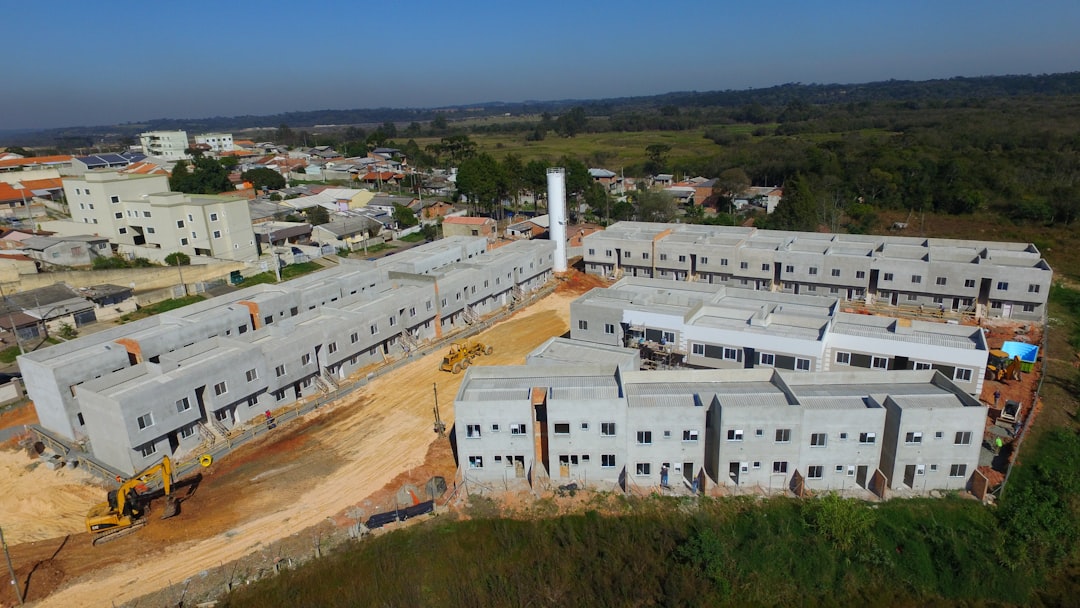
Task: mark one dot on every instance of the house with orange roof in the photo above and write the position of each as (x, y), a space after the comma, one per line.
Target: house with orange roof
(60, 161)
(469, 226)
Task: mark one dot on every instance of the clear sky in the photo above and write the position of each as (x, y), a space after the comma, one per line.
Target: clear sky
(75, 62)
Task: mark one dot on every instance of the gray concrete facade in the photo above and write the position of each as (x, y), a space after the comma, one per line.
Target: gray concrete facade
(995, 279)
(161, 385)
(714, 326)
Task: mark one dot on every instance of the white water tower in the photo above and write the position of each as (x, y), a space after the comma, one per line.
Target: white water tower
(556, 183)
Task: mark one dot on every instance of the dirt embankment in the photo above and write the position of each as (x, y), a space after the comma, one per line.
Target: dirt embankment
(343, 462)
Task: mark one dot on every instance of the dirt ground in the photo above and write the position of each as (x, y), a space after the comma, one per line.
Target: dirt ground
(344, 462)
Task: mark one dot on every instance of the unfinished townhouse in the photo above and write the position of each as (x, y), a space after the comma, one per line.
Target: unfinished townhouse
(600, 424)
(991, 279)
(713, 326)
(164, 384)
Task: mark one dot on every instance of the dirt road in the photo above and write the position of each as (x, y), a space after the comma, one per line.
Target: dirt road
(335, 462)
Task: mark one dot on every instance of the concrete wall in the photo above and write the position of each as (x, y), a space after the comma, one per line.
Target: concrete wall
(144, 278)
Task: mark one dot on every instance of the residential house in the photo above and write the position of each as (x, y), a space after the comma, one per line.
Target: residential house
(216, 142)
(469, 226)
(65, 251)
(994, 279)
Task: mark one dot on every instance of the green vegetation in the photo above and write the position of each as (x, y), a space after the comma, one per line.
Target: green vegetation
(115, 261)
(206, 176)
(159, 307)
(416, 237)
(287, 272)
(178, 258)
(8, 354)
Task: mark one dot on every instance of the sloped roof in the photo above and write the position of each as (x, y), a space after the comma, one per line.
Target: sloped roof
(472, 221)
(34, 160)
(11, 193)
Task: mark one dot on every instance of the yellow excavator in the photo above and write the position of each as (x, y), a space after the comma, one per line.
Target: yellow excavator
(1000, 366)
(124, 511)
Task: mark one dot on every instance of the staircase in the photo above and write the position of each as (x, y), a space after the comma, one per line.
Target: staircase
(470, 316)
(409, 342)
(329, 379)
(518, 295)
(219, 428)
(208, 436)
(323, 385)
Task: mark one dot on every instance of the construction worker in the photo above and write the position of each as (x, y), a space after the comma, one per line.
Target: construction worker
(997, 398)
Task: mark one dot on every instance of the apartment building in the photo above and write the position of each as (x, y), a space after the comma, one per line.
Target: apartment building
(714, 326)
(158, 386)
(993, 279)
(140, 215)
(168, 145)
(218, 142)
(599, 424)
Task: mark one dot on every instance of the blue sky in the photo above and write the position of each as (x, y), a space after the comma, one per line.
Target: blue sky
(91, 63)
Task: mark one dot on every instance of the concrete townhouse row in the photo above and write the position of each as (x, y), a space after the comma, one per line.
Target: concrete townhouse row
(161, 385)
(714, 326)
(987, 278)
(909, 431)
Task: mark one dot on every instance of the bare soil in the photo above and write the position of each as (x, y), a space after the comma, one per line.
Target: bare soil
(340, 464)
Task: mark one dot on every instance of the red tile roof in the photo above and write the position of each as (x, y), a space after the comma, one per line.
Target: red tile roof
(10, 193)
(50, 183)
(34, 160)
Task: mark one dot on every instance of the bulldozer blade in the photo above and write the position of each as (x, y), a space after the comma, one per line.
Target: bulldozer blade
(172, 508)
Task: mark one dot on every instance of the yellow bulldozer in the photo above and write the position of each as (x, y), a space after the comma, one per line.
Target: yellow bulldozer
(461, 354)
(125, 508)
(1001, 367)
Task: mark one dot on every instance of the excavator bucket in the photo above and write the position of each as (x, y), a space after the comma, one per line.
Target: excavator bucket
(172, 508)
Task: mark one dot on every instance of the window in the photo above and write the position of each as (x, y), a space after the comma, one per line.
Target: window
(789, 268)
(609, 328)
(179, 223)
(957, 470)
(697, 349)
(815, 471)
(626, 254)
(818, 440)
(812, 269)
(765, 267)
(592, 251)
(850, 470)
(732, 354)
(933, 468)
(962, 375)
(183, 241)
(879, 363)
(939, 434)
(644, 255)
(217, 234)
(941, 280)
(150, 230)
(911, 297)
(279, 371)
(146, 214)
(919, 365)
(962, 438)
(517, 429)
(562, 428)
(476, 462)
(213, 217)
(843, 358)
(643, 468)
(888, 276)
(1029, 308)
(494, 428)
(913, 437)
(667, 434)
(734, 435)
(667, 336)
(757, 464)
(1033, 288)
(1002, 286)
(331, 348)
(607, 461)
(472, 431)
(779, 467)
(843, 436)
(759, 433)
(220, 389)
(118, 215)
(802, 364)
(146, 420)
(194, 234)
(860, 274)
(969, 282)
(374, 328)
(148, 450)
(682, 258)
(839, 468)
(644, 437)
(607, 429)
(916, 278)
(122, 230)
(190, 218)
(690, 435)
(252, 374)
(663, 257)
(783, 435)
(583, 325)
(743, 265)
(867, 438)
(584, 426)
(187, 431)
(182, 405)
(768, 359)
(835, 272)
(354, 337)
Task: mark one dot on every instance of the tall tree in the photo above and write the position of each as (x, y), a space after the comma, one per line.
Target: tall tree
(573, 122)
(514, 170)
(654, 206)
(264, 179)
(657, 154)
(481, 179)
(797, 210)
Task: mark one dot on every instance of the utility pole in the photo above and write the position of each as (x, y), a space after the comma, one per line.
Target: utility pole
(11, 569)
(440, 426)
(14, 330)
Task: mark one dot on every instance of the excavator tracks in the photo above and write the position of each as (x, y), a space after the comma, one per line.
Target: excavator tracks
(111, 535)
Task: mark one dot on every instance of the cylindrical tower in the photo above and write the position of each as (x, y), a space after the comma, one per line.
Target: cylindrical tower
(556, 183)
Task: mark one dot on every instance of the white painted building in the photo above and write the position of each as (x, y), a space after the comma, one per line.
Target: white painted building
(218, 142)
(169, 145)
